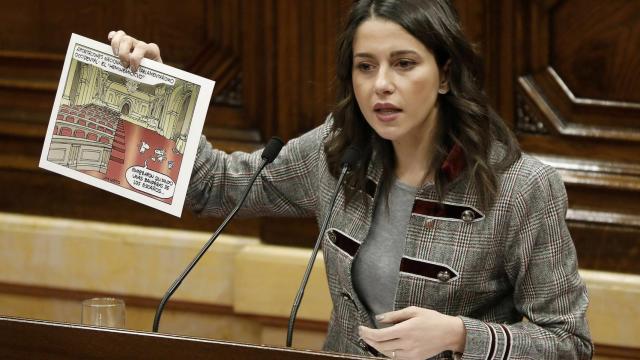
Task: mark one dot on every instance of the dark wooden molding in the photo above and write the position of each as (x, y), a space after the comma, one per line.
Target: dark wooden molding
(152, 303)
(130, 300)
(37, 339)
(592, 114)
(555, 50)
(526, 120)
(231, 95)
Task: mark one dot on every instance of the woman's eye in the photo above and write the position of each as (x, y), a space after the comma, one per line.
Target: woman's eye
(406, 64)
(364, 66)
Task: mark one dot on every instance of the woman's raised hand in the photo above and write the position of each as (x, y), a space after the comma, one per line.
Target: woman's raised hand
(131, 50)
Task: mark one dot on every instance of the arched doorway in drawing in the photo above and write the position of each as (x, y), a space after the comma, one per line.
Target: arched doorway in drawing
(125, 108)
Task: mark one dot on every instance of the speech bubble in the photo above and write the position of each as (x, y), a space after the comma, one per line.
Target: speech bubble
(150, 182)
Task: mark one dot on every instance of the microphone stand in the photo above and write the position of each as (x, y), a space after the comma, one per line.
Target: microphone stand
(268, 155)
(305, 279)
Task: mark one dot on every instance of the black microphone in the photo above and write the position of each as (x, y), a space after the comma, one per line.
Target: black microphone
(269, 154)
(348, 161)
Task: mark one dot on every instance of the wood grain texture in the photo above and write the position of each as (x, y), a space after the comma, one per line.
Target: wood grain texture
(562, 73)
(30, 339)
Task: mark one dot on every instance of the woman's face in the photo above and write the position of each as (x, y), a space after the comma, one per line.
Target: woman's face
(396, 81)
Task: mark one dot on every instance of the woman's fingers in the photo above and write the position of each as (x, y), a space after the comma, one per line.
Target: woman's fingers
(124, 50)
(136, 55)
(131, 51)
(386, 346)
(398, 315)
(153, 52)
(115, 37)
(396, 331)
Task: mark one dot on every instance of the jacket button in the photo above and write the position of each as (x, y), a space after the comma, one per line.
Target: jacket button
(362, 344)
(468, 215)
(332, 237)
(444, 275)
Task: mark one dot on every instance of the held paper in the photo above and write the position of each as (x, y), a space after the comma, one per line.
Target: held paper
(132, 134)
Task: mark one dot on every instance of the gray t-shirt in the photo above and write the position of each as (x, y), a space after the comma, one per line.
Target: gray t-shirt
(377, 263)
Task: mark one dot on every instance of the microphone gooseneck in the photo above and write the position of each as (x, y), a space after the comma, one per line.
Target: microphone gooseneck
(269, 153)
(272, 149)
(349, 160)
(351, 157)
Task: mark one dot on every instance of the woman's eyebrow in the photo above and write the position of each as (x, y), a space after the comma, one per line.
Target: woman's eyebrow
(403, 52)
(364, 55)
(395, 53)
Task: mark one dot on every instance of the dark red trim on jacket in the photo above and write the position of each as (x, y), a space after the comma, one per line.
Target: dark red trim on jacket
(345, 243)
(436, 209)
(424, 268)
(454, 164)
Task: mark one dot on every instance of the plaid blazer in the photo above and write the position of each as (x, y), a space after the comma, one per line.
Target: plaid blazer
(492, 269)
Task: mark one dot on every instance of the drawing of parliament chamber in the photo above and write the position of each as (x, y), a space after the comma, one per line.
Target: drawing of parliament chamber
(103, 116)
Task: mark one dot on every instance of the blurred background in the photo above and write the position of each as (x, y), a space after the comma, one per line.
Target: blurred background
(564, 74)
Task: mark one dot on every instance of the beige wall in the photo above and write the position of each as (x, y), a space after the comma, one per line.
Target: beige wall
(241, 291)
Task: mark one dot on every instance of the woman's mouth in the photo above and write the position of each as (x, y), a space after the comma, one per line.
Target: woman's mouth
(386, 112)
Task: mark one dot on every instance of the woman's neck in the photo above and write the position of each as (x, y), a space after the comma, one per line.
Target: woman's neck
(414, 156)
(413, 164)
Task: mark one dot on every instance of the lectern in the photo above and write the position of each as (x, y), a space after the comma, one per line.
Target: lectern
(35, 339)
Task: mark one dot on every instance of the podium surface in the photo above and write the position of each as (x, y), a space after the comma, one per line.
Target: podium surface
(38, 339)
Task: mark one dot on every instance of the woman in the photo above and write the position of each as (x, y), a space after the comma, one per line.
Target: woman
(446, 237)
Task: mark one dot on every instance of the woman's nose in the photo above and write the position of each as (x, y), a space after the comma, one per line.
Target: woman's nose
(384, 83)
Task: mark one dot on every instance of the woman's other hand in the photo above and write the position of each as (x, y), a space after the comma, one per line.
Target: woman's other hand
(417, 334)
(131, 50)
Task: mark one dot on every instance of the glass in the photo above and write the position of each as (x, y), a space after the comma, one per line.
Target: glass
(105, 312)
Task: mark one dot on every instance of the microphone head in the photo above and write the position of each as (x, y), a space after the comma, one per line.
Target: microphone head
(351, 157)
(272, 149)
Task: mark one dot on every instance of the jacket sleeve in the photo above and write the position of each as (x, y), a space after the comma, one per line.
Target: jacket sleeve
(286, 187)
(541, 263)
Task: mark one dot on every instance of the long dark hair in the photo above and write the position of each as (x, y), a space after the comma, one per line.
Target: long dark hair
(465, 118)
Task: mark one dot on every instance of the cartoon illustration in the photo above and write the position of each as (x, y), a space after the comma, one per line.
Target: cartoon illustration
(106, 120)
(159, 155)
(104, 116)
(143, 147)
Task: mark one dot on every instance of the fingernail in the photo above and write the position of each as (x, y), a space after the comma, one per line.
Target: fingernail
(380, 317)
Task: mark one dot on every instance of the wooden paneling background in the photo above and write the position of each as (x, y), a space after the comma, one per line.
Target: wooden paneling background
(563, 74)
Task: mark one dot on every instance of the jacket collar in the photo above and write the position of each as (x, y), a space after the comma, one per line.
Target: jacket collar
(452, 166)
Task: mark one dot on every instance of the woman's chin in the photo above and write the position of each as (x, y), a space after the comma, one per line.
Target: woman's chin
(388, 134)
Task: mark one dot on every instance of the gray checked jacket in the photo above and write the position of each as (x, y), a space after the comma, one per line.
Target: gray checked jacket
(509, 273)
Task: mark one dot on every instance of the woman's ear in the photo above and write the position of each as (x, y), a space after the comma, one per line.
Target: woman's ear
(444, 78)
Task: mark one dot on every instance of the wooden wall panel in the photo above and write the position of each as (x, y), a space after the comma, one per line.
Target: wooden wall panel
(271, 59)
(563, 73)
(577, 108)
